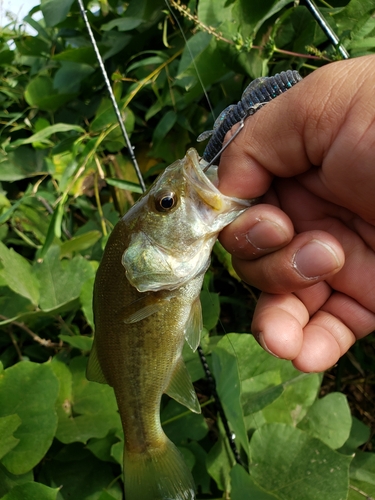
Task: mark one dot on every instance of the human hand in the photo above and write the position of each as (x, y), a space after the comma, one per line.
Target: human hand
(310, 244)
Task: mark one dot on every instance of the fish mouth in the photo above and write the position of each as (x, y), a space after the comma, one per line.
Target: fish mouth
(206, 185)
(218, 206)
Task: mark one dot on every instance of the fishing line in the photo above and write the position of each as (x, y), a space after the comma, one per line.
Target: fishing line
(112, 96)
(326, 28)
(191, 57)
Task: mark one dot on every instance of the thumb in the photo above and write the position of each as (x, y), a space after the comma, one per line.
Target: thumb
(294, 131)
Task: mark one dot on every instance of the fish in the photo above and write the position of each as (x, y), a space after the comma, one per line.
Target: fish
(146, 305)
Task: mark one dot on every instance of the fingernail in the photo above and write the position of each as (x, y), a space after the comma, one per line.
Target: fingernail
(265, 235)
(315, 259)
(259, 337)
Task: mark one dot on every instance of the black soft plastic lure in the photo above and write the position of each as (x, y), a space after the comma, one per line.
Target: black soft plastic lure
(256, 94)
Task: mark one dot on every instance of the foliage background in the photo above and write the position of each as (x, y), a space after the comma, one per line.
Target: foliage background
(65, 179)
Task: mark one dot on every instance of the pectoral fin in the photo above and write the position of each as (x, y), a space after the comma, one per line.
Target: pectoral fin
(194, 325)
(142, 308)
(181, 388)
(93, 370)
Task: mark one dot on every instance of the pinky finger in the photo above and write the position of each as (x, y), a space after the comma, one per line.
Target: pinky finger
(278, 324)
(322, 340)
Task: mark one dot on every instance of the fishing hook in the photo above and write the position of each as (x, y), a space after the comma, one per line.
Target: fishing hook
(218, 154)
(112, 96)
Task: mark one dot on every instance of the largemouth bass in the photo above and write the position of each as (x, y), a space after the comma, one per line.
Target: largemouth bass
(146, 304)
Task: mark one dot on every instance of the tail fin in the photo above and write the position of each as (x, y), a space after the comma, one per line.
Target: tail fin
(158, 474)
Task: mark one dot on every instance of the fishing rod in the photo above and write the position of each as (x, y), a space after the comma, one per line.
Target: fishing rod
(326, 28)
(112, 96)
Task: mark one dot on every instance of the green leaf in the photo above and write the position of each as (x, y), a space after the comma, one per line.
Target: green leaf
(181, 425)
(22, 163)
(208, 62)
(7, 427)
(210, 309)
(106, 496)
(13, 305)
(32, 491)
(69, 77)
(55, 11)
(85, 297)
(63, 402)
(192, 359)
(329, 419)
(9, 481)
(83, 477)
(61, 280)
(355, 10)
(6, 57)
(54, 227)
(106, 116)
(214, 12)
(18, 274)
(86, 409)
(78, 341)
(122, 24)
(33, 46)
(6, 215)
(359, 434)
(164, 126)
(47, 132)
(260, 391)
(101, 448)
(220, 461)
(244, 487)
(251, 15)
(200, 473)
(228, 384)
(292, 465)
(80, 242)
(130, 186)
(40, 93)
(259, 372)
(37, 387)
(362, 476)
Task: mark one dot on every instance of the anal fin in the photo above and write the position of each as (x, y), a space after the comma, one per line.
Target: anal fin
(181, 388)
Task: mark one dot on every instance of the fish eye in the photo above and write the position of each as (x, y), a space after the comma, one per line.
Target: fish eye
(164, 202)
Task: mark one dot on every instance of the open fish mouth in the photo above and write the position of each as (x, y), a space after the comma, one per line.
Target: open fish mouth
(206, 185)
(215, 209)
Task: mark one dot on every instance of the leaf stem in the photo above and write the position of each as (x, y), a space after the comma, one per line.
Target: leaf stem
(185, 413)
(34, 336)
(97, 198)
(15, 345)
